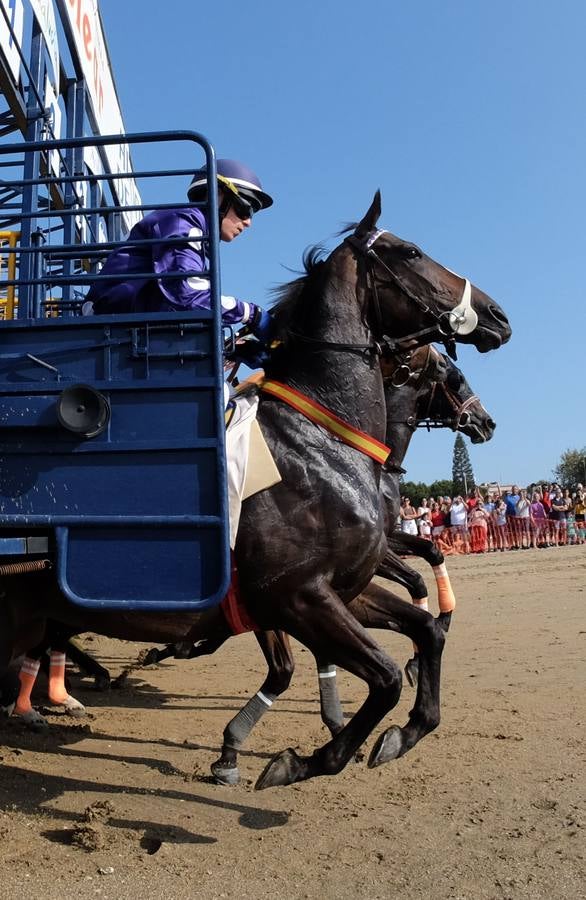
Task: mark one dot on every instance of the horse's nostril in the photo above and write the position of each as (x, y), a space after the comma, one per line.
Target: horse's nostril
(491, 424)
(497, 313)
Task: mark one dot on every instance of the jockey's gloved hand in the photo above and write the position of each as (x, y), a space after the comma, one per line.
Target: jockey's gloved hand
(261, 325)
(252, 353)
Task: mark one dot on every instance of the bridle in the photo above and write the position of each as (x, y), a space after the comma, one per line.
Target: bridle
(404, 373)
(462, 319)
(461, 416)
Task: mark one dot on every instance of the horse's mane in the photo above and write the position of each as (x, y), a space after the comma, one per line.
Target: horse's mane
(291, 297)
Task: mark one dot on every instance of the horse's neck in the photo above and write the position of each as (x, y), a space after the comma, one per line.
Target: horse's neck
(401, 405)
(341, 380)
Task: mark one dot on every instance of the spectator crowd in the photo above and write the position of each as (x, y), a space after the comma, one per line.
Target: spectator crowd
(539, 516)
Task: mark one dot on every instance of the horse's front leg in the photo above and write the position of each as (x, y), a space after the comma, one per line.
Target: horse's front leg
(317, 617)
(87, 665)
(430, 552)
(276, 649)
(379, 608)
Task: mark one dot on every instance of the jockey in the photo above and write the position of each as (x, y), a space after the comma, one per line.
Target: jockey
(240, 195)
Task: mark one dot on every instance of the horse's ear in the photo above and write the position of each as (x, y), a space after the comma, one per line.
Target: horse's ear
(369, 221)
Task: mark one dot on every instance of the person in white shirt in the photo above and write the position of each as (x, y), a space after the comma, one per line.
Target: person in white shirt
(458, 522)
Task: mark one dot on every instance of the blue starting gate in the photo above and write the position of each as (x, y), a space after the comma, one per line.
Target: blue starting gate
(112, 461)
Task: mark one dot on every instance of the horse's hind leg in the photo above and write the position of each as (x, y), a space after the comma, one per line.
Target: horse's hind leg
(329, 698)
(378, 608)
(319, 619)
(9, 681)
(276, 649)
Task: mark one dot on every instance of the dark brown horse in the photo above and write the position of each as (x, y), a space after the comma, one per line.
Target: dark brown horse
(310, 545)
(424, 395)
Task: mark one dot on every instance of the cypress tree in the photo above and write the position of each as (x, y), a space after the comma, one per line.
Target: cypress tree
(462, 474)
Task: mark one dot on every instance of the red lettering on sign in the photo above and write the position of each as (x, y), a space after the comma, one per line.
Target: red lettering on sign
(78, 14)
(87, 37)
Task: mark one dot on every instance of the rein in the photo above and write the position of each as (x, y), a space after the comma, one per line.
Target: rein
(460, 410)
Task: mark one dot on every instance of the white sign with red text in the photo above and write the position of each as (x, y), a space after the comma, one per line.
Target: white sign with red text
(13, 10)
(45, 16)
(85, 28)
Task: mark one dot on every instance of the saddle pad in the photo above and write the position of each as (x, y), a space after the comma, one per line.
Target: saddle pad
(250, 465)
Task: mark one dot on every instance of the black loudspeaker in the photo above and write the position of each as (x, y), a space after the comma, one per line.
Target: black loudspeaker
(83, 410)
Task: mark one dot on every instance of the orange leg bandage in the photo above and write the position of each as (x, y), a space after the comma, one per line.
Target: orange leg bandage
(445, 595)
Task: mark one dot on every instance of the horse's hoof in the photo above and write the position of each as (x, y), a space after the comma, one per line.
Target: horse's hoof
(225, 775)
(102, 683)
(412, 671)
(284, 768)
(151, 658)
(444, 620)
(387, 747)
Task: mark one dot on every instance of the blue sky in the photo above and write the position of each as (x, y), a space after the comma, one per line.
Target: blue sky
(470, 118)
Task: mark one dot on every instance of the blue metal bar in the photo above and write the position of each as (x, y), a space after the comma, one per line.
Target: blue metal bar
(74, 210)
(34, 109)
(114, 521)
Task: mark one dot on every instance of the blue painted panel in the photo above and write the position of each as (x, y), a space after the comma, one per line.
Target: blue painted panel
(139, 511)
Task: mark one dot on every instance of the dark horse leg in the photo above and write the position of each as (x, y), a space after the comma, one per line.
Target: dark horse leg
(319, 619)
(379, 608)
(399, 543)
(276, 649)
(394, 568)
(87, 665)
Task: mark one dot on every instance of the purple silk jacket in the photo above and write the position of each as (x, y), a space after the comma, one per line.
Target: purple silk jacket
(152, 293)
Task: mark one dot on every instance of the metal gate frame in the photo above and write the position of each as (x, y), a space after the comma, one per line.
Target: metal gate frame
(144, 366)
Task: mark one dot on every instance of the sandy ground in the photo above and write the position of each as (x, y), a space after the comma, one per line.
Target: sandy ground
(489, 806)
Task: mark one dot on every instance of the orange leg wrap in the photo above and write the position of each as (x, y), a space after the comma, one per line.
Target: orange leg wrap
(57, 691)
(28, 676)
(445, 595)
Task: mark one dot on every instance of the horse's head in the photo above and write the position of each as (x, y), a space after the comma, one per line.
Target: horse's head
(416, 368)
(410, 294)
(454, 403)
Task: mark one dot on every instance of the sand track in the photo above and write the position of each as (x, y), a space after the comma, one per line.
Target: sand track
(491, 805)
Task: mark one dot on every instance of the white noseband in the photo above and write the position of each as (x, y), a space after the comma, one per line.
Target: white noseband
(463, 318)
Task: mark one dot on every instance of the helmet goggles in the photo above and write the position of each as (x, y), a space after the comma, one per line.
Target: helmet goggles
(244, 203)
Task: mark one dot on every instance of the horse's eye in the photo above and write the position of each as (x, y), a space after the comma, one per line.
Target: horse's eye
(412, 253)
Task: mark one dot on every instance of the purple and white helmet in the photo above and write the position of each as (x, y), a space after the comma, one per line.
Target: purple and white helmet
(238, 178)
